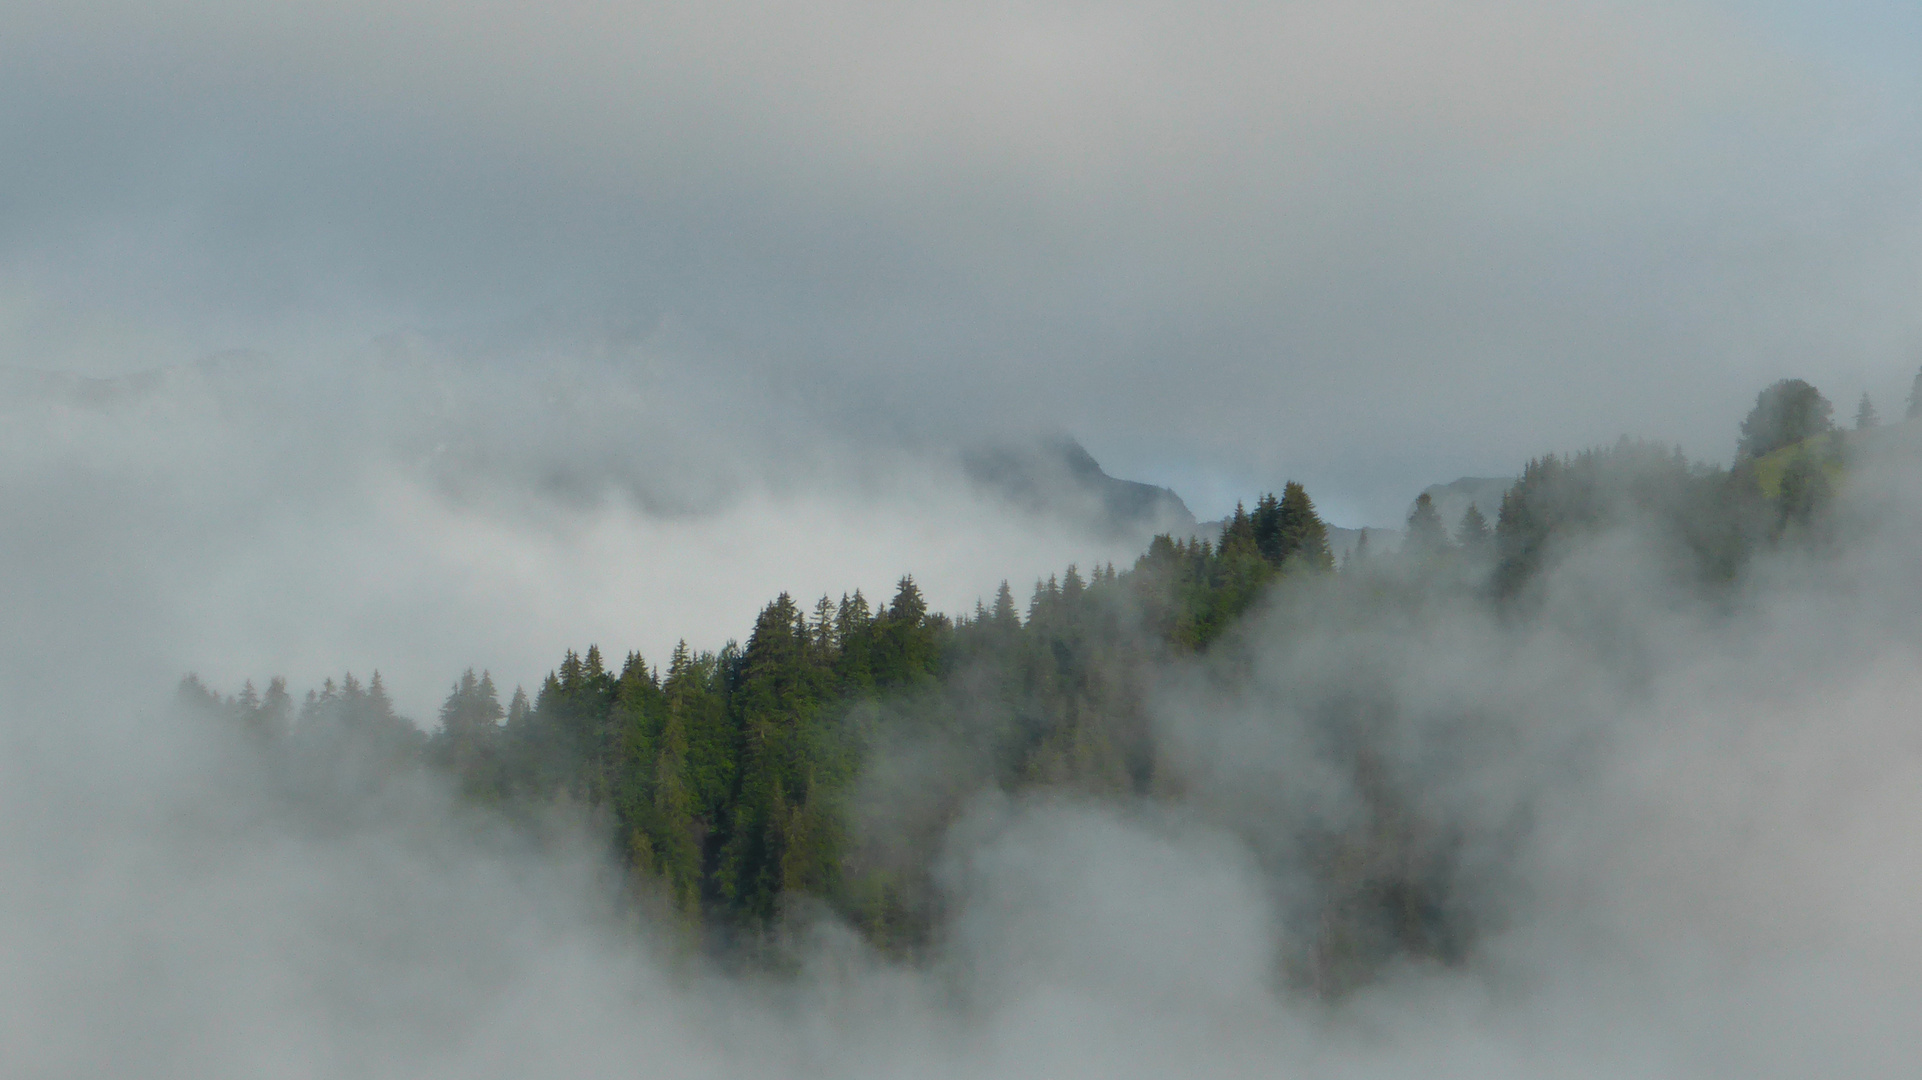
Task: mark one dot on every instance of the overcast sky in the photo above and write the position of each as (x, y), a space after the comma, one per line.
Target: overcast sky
(1371, 245)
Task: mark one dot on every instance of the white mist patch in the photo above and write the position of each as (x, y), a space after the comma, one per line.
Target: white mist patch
(423, 586)
(243, 519)
(1078, 900)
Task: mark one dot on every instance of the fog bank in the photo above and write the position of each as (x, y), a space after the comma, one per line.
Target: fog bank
(1680, 829)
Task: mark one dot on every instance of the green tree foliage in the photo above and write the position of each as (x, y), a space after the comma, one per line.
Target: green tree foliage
(1004, 619)
(727, 777)
(779, 693)
(734, 783)
(1287, 528)
(1805, 491)
(469, 736)
(1785, 413)
(1711, 518)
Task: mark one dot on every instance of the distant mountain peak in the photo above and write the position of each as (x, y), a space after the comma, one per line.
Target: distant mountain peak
(1055, 476)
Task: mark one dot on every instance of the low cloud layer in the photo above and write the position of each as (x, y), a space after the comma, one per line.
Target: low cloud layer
(245, 517)
(1680, 831)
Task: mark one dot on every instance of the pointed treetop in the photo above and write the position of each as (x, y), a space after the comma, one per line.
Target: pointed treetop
(908, 605)
(1071, 585)
(1426, 534)
(1005, 615)
(1473, 529)
(1865, 417)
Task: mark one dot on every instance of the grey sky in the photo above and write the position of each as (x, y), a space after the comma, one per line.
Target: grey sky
(1369, 245)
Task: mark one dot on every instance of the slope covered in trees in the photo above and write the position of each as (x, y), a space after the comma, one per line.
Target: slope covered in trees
(818, 765)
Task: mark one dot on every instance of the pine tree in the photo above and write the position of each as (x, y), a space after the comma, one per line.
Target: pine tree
(382, 706)
(1473, 533)
(676, 843)
(193, 695)
(1266, 525)
(1426, 536)
(1304, 538)
(1047, 598)
(457, 712)
(851, 617)
(470, 728)
(277, 707)
(908, 606)
(906, 638)
(822, 630)
(1238, 533)
(1865, 417)
(1006, 619)
(777, 697)
(1072, 588)
(696, 692)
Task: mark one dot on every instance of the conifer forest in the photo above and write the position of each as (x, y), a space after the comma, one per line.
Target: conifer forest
(811, 769)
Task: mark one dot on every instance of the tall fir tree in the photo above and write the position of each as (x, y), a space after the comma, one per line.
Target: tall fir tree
(1472, 532)
(1426, 536)
(1865, 417)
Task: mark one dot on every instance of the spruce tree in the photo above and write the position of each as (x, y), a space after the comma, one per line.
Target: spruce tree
(1426, 536)
(1005, 617)
(1473, 533)
(1072, 588)
(821, 630)
(1303, 535)
(1047, 597)
(851, 617)
(675, 843)
(1266, 525)
(1865, 417)
(908, 606)
(778, 695)
(1238, 533)
(277, 708)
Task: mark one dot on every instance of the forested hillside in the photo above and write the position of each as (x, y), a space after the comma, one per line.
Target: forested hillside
(817, 765)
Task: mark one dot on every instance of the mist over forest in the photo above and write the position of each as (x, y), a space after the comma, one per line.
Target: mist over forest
(1050, 540)
(1617, 780)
